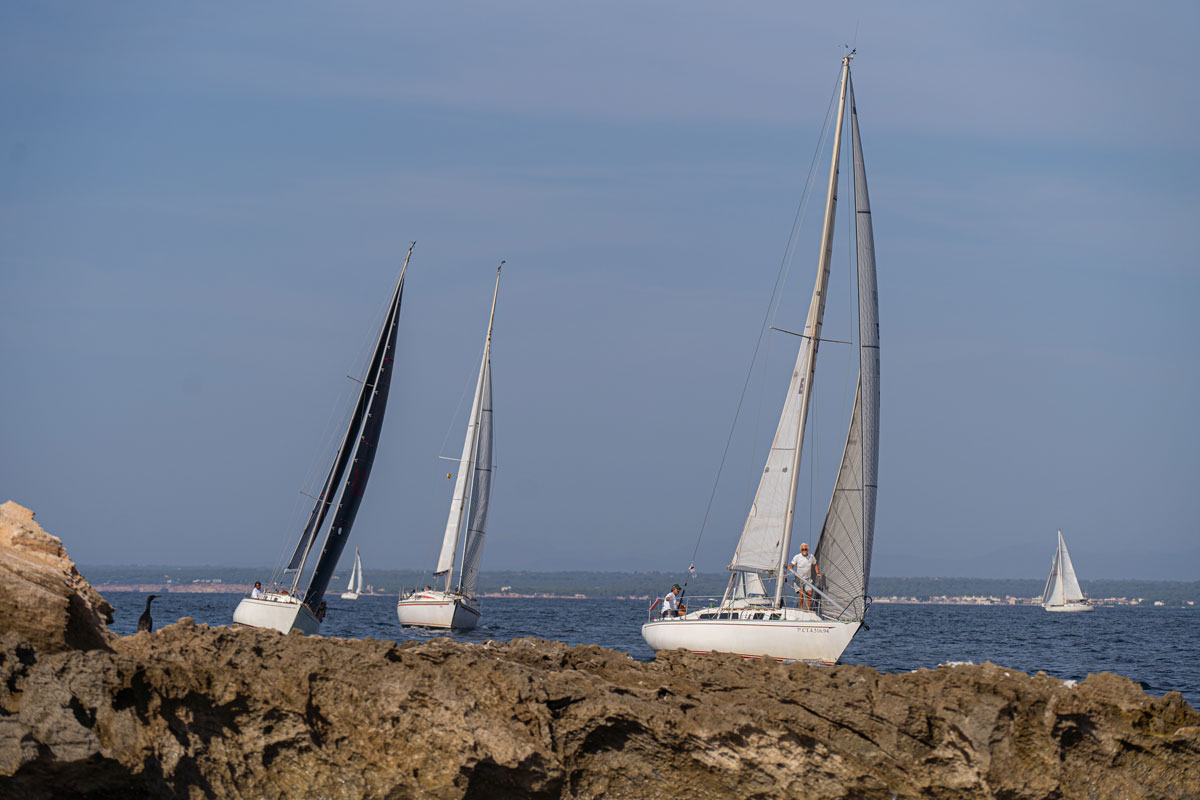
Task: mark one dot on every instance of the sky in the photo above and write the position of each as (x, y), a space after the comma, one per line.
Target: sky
(203, 208)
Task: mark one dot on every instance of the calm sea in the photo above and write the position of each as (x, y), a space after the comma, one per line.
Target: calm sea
(1158, 647)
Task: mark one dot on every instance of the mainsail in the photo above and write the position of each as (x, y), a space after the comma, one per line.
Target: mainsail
(844, 549)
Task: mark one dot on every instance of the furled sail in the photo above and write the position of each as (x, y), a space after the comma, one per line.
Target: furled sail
(481, 492)
(844, 549)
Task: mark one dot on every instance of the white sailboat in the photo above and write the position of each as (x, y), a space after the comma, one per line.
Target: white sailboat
(751, 619)
(1062, 592)
(355, 586)
(454, 605)
(285, 606)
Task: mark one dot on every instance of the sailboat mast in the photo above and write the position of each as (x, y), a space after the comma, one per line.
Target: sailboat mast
(466, 464)
(812, 325)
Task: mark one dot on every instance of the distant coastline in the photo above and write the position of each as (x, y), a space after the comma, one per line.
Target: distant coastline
(219, 587)
(585, 585)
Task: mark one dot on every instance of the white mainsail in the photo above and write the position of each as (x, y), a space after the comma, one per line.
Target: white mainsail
(844, 549)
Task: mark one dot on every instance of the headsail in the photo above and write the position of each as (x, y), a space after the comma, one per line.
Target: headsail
(762, 536)
(844, 549)
(767, 532)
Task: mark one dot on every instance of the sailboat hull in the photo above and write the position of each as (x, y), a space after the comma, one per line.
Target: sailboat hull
(278, 612)
(437, 610)
(1071, 607)
(809, 639)
(349, 595)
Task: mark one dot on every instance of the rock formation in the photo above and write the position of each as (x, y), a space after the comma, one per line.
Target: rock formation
(43, 598)
(193, 711)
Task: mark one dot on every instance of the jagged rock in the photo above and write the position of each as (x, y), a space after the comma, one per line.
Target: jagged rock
(43, 597)
(193, 711)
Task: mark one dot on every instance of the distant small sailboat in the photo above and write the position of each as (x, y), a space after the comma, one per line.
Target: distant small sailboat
(355, 587)
(455, 605)
(1062, 592)
(288, 609)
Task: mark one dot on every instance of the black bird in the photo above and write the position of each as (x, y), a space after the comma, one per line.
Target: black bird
(144, 621)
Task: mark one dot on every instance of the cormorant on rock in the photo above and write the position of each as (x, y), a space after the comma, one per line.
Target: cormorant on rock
(144, 621)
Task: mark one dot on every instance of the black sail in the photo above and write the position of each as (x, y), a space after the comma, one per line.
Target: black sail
(365, 424)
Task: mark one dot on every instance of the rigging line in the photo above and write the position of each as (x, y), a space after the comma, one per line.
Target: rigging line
(450, 425)
(805, 196)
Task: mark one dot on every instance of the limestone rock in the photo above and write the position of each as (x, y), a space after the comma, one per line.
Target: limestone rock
(193, 711)
(43, 598)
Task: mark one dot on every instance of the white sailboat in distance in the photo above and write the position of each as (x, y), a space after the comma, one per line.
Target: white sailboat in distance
(355, 586)
(1062, 592)
(753, 618)
(454, 605)
(285, 606)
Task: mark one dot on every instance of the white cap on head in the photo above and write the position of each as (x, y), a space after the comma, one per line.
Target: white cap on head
(804, 544)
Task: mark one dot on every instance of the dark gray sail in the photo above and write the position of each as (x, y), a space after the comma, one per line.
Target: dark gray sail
(365, 424)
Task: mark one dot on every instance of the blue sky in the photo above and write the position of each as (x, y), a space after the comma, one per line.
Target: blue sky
(202, 209)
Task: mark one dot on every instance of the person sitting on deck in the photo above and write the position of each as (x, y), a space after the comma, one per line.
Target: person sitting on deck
(257, 591)
(670, 603)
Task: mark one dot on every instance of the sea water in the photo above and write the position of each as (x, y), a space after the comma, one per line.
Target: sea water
(1157, 647)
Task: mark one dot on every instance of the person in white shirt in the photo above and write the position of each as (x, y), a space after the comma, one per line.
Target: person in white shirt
(670, 603)
(804, 566)
(257, 591)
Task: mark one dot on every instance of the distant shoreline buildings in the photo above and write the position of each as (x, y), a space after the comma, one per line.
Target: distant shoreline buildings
(216, 586)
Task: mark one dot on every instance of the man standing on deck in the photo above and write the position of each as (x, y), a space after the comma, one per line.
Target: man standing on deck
(804, 566)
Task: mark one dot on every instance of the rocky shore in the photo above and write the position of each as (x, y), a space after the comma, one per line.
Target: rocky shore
(193, 711)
